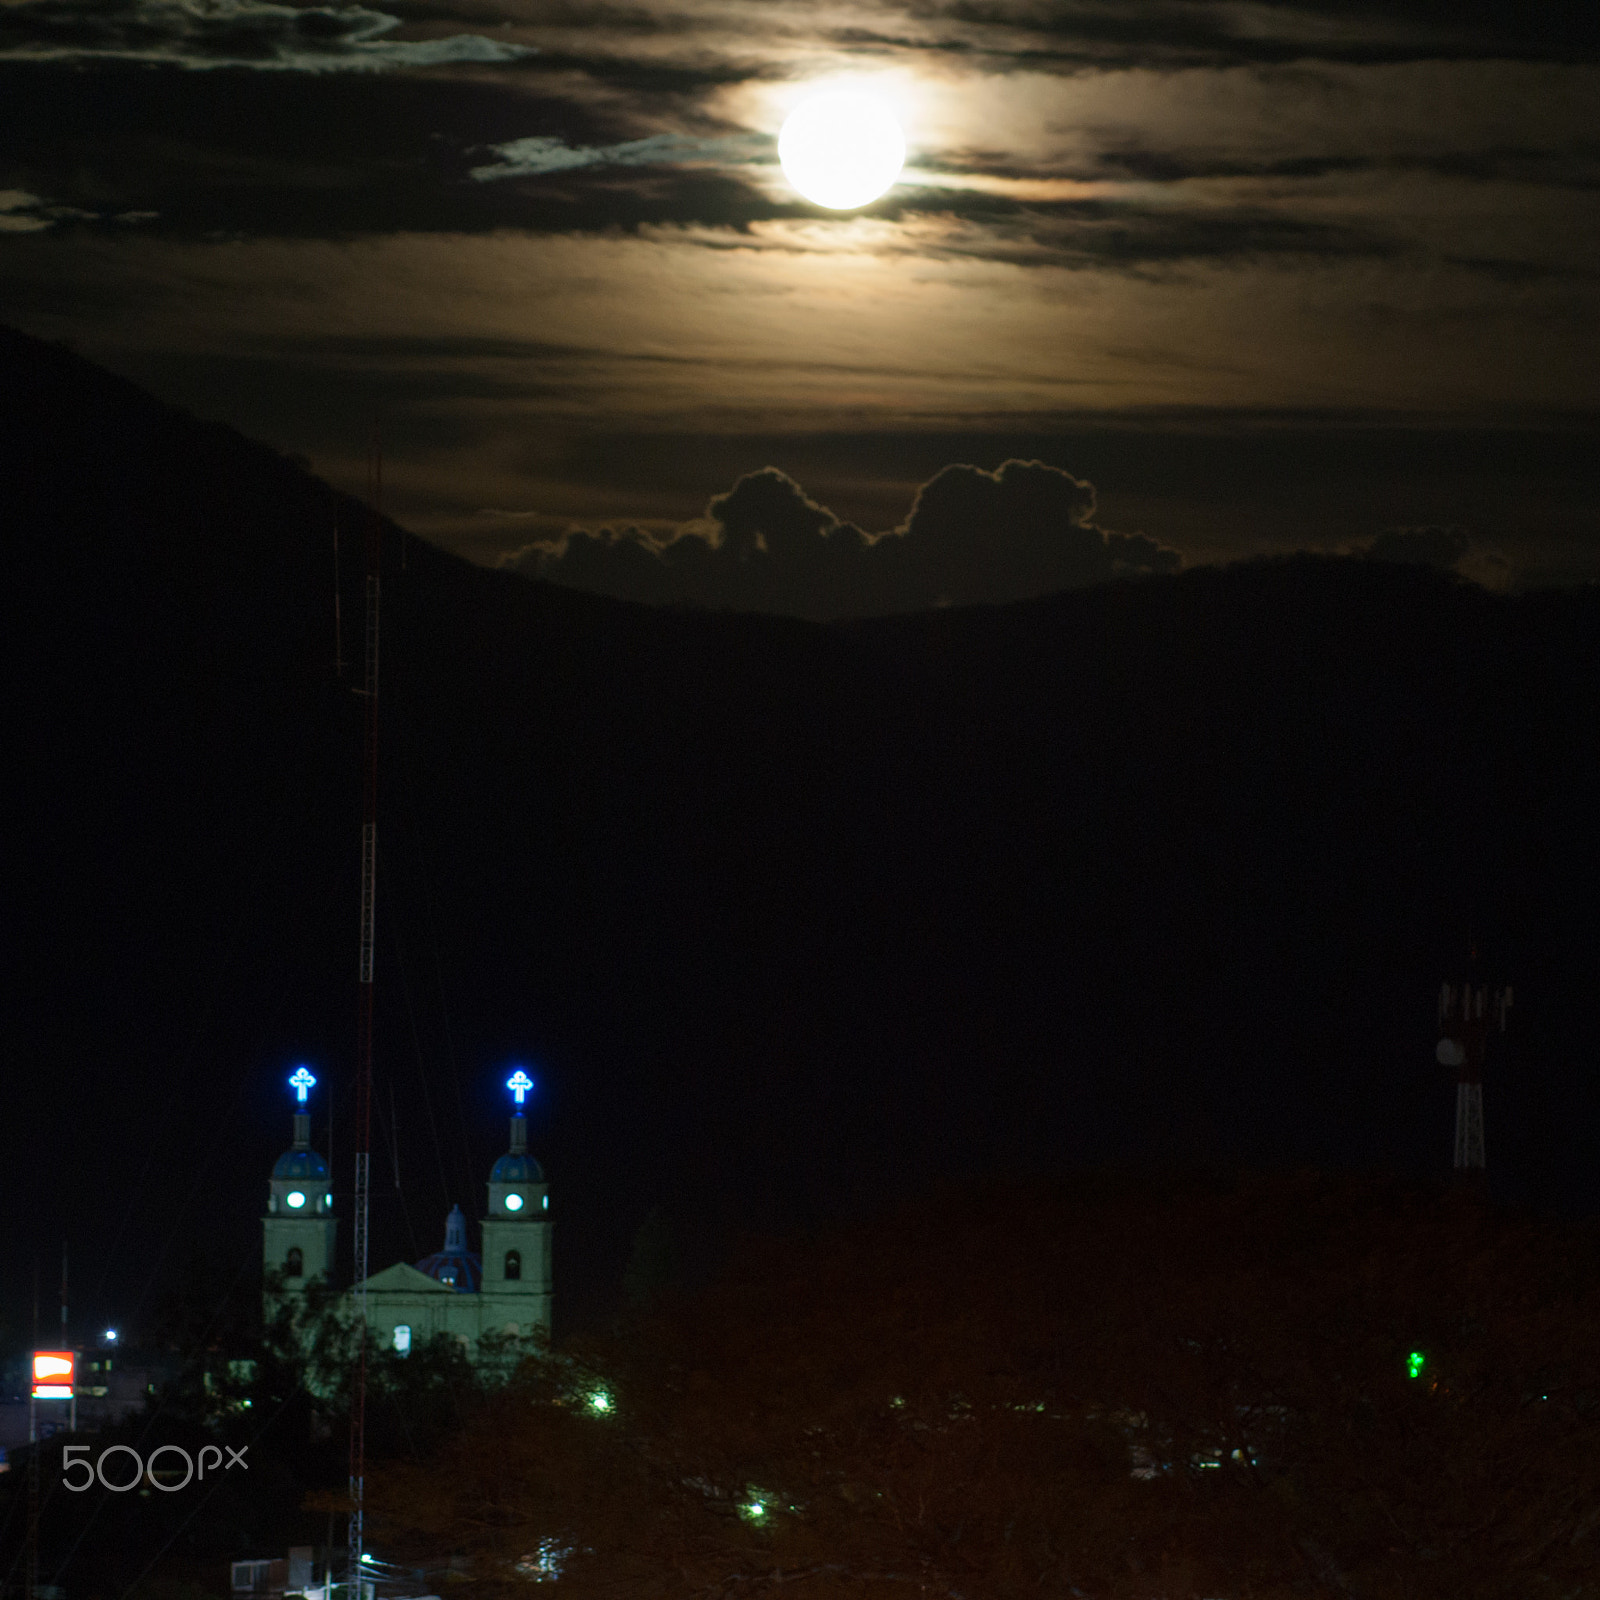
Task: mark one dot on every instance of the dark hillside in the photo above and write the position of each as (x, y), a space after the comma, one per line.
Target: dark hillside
(780, 913)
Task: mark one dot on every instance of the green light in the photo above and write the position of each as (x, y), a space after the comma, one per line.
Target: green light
(1415, 1363)
(754, 1510)
(600, 1402)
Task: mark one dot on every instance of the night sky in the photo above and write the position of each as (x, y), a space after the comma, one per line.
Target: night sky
(1164, 283)
(1242, 277)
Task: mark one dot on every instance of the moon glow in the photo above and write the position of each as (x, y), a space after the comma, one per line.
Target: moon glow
(841, 149)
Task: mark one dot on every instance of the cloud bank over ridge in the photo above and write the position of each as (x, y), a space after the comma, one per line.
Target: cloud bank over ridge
(971, 536)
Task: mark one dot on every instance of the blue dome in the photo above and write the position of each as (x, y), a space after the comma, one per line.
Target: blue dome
(517, 1169)
(461, 1271)
(455, 1266)
(300, 1164)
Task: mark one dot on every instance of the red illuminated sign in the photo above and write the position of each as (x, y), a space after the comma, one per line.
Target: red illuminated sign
(52, 1374)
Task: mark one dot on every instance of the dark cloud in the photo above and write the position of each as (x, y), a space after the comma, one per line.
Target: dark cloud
(972, 536)
(1420, 547)
(1129, 234)
(236, 33)
(1575, 168)
(1218, 32)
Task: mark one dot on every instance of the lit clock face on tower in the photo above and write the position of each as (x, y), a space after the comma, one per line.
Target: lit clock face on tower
(294, 1199)
(513, 1202)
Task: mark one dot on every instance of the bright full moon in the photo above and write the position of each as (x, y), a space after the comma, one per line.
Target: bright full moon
(841, 149)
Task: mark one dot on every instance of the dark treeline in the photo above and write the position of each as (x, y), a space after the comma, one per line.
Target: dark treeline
(1180, 1385)
(785, 917)
(1263, 1388)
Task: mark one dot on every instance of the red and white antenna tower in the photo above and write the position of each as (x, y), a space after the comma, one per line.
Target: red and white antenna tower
(1468, 1014)
(363, 1134)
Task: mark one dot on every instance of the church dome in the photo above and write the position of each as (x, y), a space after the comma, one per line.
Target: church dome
(517, 1167)
(298, 1163)
(455, 1266)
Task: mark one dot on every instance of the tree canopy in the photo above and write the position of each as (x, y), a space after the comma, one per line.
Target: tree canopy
(1247, 1388)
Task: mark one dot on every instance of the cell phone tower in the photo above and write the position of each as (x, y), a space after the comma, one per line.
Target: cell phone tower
(363, 1118)
(1468, 1014)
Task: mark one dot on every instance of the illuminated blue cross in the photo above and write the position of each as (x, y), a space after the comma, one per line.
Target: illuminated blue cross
(302, 1083)
(519, 1083)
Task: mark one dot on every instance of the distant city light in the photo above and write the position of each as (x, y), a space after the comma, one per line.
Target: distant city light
(302, 1083)
(111, 1335)
(402, 1338)
(520, 1084)
(754, 1510)
(600, 1402)
(294, 1199)
(544, 1564)
(513, 1202)
(1415, 1363)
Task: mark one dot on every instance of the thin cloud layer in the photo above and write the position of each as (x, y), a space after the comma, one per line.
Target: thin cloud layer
(21, 212)
(231, 33)
(972, 536)
(541, 154)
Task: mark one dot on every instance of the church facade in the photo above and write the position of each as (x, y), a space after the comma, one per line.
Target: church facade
(483, 1299)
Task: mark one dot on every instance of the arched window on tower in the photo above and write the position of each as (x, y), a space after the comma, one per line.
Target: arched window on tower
(513, 1265)
(294, 1264)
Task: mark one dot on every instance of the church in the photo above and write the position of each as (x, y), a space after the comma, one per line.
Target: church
(499, 1293)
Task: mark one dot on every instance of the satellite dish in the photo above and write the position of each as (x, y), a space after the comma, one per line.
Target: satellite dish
(1450, 1053)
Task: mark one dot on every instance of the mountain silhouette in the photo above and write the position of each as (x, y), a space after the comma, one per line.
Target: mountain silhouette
(782, 916)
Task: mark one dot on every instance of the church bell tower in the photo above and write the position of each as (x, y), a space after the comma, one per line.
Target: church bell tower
(299, 1230)
(516, 1233)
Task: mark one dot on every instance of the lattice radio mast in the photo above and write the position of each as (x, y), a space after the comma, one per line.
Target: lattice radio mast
(31, 1576)
(1468, 1014)
(363, 1130)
